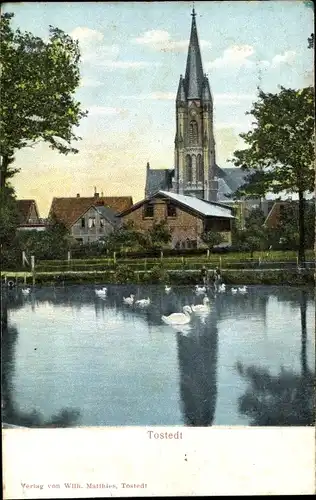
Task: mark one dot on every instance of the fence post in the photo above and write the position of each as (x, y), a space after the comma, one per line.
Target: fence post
(259, 261)
(114, 257)
(24, 259)
(69, 257)
(33, 268)
(161, 255)
(220, 262)
(145, 264)
(208, 253)
(24, 278)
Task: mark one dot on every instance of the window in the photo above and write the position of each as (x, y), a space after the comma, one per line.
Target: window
(199, 169)
(91, 222)
(148, 210)
(102, 222)
(188, 169)
(193, 132)
(171, 210)
(83, 222)
(80, 240)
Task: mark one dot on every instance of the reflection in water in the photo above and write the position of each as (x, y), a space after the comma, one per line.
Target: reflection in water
(121, 365)
(197, 354)
(11, 414)
(284, 399)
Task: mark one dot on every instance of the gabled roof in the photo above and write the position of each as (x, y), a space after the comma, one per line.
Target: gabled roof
(24, 207)
(200, 207)
(194, 75)
(68, 210)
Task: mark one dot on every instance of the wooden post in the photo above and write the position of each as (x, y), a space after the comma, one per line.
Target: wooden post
(161, 254)
(69, 257)
(114, 257)
(24, 278)
(208, 253)
(145, 264)
(33, 268)
(220, 262)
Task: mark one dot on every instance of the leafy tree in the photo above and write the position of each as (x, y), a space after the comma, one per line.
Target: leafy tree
(123, 237)
(212, 238)
(9, 217)
(158, 236)
(286, 233)
(37, 79)
(254, 235)
(281, 146)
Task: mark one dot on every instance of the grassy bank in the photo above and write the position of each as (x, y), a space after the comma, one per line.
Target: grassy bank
(160, 275)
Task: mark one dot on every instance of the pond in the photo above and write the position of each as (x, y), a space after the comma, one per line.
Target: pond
(71, 358)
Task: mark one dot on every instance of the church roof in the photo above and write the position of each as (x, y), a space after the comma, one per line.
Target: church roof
(194, 75)
(234, 177)
(158, 179)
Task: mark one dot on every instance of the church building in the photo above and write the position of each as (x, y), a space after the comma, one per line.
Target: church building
(195, 171)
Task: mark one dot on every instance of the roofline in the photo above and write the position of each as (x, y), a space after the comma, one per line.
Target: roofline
(165, 193)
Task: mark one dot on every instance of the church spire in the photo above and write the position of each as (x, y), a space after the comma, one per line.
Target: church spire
(194, 75)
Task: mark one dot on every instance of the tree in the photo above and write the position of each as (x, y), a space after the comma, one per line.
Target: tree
(281, 146)
(286, 232)
(158, 236)
(254, 235)
(212, 238)
(37, 79)
(9, 217)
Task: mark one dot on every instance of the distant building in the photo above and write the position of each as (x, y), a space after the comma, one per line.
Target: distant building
(187, 217)
(195, 171)
(29, 218)
(89, 218)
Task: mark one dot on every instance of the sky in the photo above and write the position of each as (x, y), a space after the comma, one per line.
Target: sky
(132, 56)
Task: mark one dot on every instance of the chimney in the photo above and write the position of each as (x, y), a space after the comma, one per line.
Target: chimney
(78, 195)
(148, 165)
(96, 195)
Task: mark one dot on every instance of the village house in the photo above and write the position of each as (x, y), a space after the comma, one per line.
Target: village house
(187, 217)
(29, 219)
(89, 218)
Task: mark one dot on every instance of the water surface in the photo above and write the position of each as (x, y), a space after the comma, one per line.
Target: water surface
(72, 358)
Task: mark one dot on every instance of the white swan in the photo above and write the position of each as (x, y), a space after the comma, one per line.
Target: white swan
(200, 289)
(143, 302)
(201, 307)
(167, 289)
(129, 300)
(178, 318)
(26, 291)
(234, 291)
(102, 292)
(242, 289)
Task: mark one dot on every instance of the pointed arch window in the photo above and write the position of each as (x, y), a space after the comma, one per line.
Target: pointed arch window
(188, 169)
(199, 169)
(193, 133)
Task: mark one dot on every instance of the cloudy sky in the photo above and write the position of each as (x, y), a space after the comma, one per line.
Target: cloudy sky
(132, 57)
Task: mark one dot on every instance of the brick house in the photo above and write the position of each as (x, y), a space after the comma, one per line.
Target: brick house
(187, 217)
(29, 218)
(89, 218)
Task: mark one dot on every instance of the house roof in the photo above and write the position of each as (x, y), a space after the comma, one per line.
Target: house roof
(68, 210)
(201, 207)
(24, 207)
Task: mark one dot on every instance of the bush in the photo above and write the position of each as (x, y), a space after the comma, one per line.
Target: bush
(158, 275)
(124, 274)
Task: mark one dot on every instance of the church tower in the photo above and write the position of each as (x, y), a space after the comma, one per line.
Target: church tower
(194, 141)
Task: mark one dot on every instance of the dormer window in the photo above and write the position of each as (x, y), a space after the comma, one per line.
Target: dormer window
(148, 211)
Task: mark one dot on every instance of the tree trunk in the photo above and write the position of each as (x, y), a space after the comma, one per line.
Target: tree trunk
(301, 228)
(303, 307)
(5, 162)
